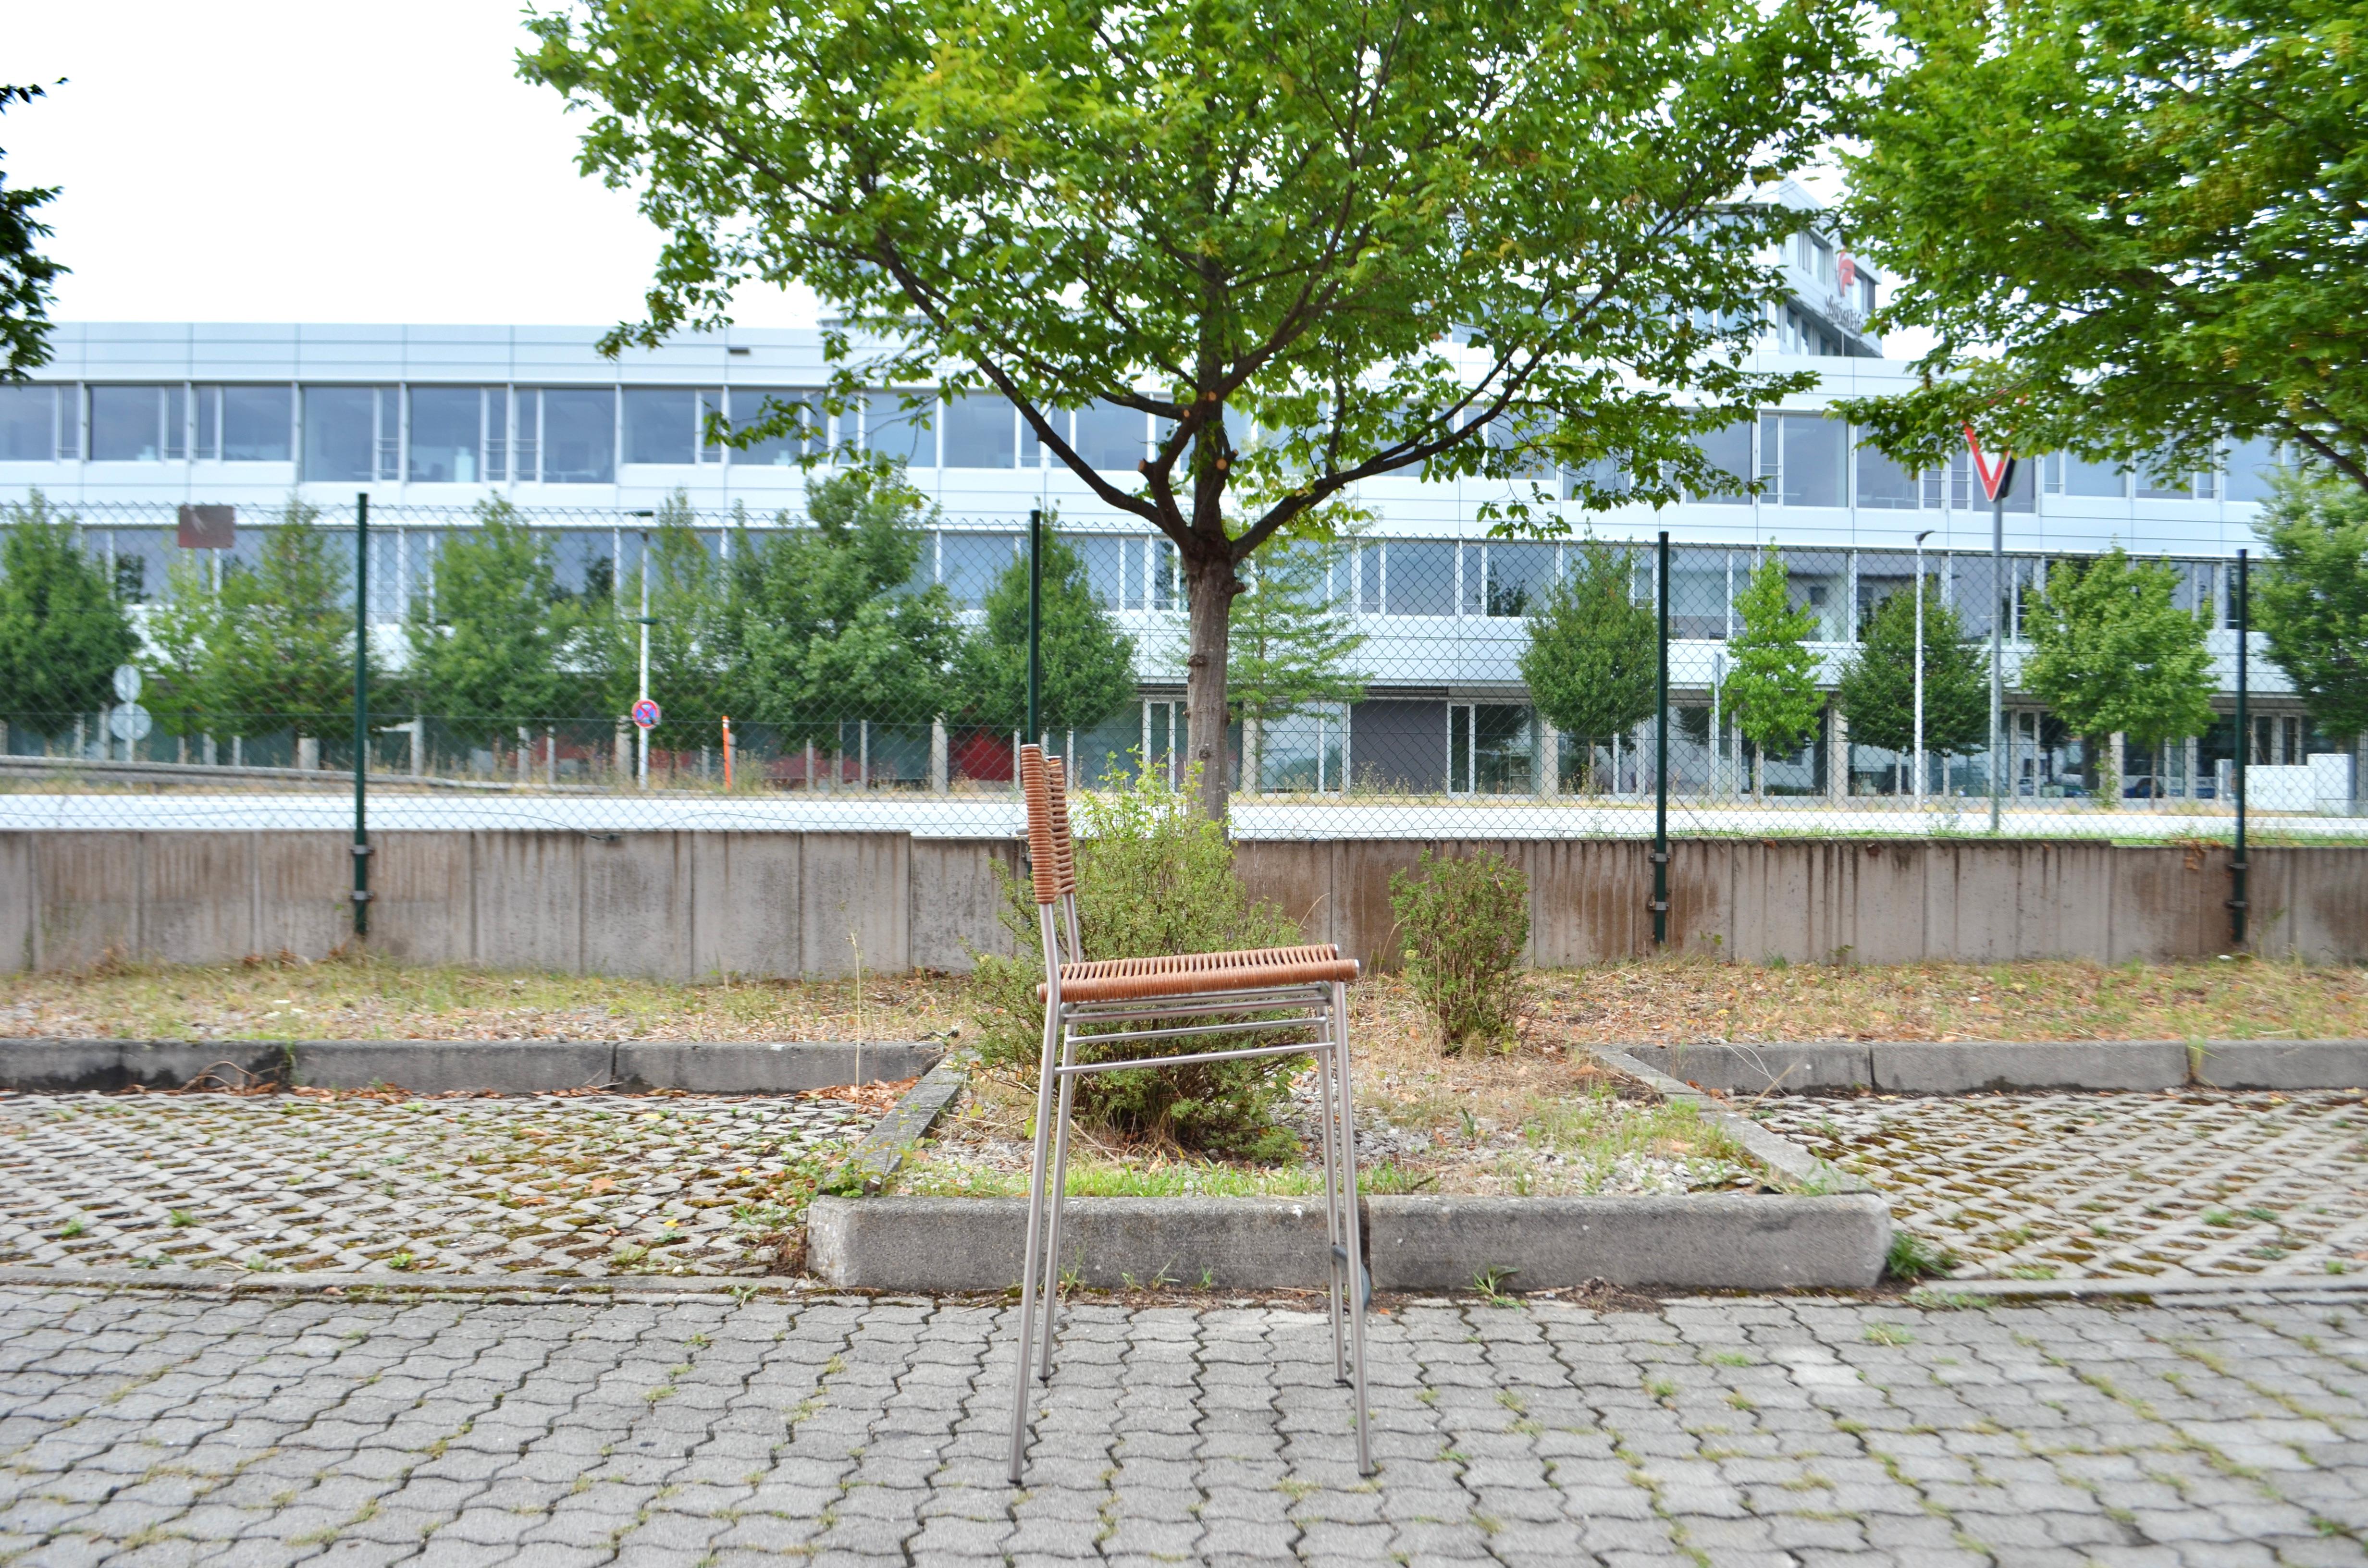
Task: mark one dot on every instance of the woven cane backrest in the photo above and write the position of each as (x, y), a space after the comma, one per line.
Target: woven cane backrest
(1057, 800)
(1052, 860)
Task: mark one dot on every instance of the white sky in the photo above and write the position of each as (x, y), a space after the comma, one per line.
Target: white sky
(316, 160)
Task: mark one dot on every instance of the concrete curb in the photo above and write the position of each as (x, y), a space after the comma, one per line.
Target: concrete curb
(241, 1282)
(1770, 1148)
(1957, 1067)
(2183, 1288)
(431, 1067)
(893, 1137)
(1712, 1241)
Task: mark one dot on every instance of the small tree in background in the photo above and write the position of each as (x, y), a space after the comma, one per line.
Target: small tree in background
(1292, 647)
(1463, 925)
(2310, 598)
(1088, 672)
(2111, 651)
(62, 632)
(833, 627)
(283, 652)
(1877, 689)
(1771, 680)
(1592, 659)
(498, 648)
(181, 631)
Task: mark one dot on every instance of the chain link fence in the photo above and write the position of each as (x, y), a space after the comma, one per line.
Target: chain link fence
(861, 662)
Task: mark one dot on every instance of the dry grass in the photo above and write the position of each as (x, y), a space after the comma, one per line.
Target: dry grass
(371, 999)
(1693, 1001)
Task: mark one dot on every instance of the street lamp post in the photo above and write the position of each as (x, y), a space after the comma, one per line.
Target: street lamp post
(1919, 664)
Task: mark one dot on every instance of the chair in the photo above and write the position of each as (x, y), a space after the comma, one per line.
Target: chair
(1151, 1000)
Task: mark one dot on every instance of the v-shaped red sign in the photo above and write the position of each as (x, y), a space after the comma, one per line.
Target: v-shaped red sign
(1994, 475)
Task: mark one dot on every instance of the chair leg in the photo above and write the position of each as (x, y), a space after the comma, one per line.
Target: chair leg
(1033, 1256)
(1338, 1251)
(1356, 1237)
(1054, 1203)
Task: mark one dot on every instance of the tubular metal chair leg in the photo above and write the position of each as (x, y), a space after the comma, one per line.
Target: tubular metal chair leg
(1033, 1256)
(1055, 1200)
(1340, 1041)
(1332, 1232)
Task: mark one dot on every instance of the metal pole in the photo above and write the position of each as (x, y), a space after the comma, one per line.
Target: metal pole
(361, 714)
(1919, 770)
(1035, 624)
(1661, 761)
(641, 769)
(2001, 603)
(2238, 868)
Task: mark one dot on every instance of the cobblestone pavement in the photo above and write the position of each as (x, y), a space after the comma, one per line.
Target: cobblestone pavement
(589, 1185)
(154, 1428)
(2041, 1186)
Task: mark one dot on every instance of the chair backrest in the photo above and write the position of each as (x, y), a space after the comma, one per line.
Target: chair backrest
(1051, 858)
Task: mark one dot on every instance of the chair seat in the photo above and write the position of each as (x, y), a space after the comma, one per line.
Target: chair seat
(1194, 974)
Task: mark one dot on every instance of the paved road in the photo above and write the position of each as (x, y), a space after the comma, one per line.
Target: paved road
(148, 1429)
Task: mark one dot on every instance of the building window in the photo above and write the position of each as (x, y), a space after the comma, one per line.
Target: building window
(256, 423)
(28, 424)
(459, 434)
(578, 436)
(1728, 449)
(1884, 485)
(663, 423)
(352, 435)
(1418, 577)
(1491, 749)
(2252, 466)
(1506, 579)
(1104, 559)
(968, 564)
(982, 430)
(1801, 458)
(1111, 438)
(810, 435)
(138, 424)
(2069, 474)
(892, 430)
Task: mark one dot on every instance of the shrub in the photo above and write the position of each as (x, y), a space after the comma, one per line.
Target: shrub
(1153, 877)
(1463, 925)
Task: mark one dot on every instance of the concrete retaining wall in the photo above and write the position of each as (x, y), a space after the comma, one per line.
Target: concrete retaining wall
(693, 905)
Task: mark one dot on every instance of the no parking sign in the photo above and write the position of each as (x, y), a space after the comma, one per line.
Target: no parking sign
(645, 713)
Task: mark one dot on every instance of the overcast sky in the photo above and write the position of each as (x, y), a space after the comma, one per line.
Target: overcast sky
(324, 161)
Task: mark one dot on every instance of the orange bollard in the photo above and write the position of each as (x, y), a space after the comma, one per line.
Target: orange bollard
(727, 753)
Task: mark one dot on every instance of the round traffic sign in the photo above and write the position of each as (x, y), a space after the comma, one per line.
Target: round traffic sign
(127, 683)
(129, 722)
(645, 713)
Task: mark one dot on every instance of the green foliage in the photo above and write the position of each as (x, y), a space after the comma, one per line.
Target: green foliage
(2123, 220)
(1913, 1257)
(1592, 662)
(1241, 213)
(832, 627)
(694, 633)
(2110, 651)
(280, 647)
(497, 648)
(2310, 598)
(62, 632)
(1463, 924)
(1771, 680)
(1877, 688)
(1089, 662)
(1292, 646)
(1153, 877)
(25, 275)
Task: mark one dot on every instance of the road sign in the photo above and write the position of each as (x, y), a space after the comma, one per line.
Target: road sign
(645, 713)
(207, 528)
(127, 683)
(129, 722)
(1995, 473)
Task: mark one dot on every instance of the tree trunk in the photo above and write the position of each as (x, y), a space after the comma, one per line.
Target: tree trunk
(1210, 583)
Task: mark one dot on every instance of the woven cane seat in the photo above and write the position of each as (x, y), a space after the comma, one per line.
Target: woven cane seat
(1193, 974)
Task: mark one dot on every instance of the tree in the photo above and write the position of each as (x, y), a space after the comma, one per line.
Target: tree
(1293, 646)
(25, 275)
(283, 646)
(694, 633)
(833, 627)
(2123, 220)
(499, 646)
(1089, 670)
(1592, 662)
(62, 632)
(1372, 232)
(181, 632)
(2112, 652)
(1771, 679)
(2310, 598)
(1877, 688)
